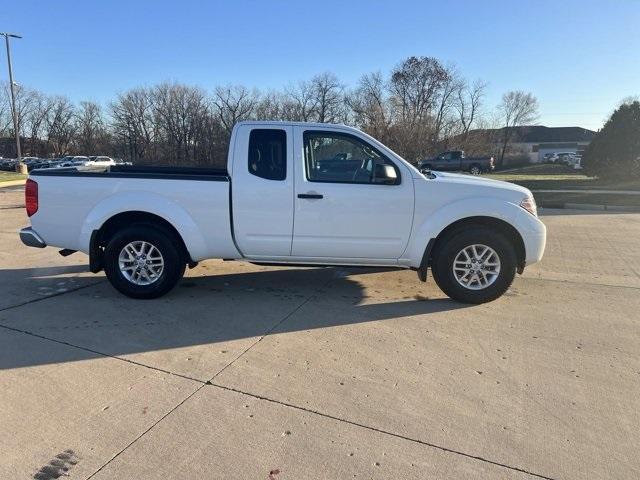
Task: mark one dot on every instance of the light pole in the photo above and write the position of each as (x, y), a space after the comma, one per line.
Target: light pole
(20, 167)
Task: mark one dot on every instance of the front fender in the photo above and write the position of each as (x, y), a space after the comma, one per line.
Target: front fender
(434, 222)
(150, 203)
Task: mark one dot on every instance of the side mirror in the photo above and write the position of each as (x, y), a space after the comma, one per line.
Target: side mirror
(385, 174)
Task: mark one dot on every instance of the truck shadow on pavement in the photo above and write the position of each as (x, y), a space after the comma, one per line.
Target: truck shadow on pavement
(207, 312)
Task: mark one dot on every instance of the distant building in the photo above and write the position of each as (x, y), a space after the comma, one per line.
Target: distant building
(529, 143)
(536, 141)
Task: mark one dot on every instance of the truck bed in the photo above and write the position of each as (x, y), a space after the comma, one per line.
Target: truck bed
(138, 171)
(75, 201)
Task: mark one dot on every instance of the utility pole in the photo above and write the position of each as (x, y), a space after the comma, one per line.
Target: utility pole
(20, 167)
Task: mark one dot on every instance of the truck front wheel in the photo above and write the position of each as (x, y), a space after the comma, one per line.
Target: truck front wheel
(142, 261)
(475, 169)
(474, 264)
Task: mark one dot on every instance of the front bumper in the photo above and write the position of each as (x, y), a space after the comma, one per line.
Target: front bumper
(31, 239)
(534, 235)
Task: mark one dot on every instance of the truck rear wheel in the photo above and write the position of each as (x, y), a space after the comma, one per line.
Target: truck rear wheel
(475, 169)
(474, 264)
(142, 261)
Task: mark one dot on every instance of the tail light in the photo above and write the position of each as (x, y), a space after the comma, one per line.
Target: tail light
(31, 197)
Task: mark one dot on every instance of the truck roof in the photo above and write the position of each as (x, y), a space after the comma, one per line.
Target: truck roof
(301, 124)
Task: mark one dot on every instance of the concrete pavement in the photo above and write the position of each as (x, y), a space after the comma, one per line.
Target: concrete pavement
(276, 373)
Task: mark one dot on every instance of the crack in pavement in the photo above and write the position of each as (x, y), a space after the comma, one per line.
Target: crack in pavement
(47, 297)
(202, 384)
(269, 331)
(575, 282)
(384, 432)
(102, 354)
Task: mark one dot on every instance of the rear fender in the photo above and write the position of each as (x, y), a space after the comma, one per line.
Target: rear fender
(150, 203)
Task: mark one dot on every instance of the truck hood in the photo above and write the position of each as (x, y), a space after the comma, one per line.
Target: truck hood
(470, 182)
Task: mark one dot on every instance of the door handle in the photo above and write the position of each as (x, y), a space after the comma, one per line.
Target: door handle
(310, 195)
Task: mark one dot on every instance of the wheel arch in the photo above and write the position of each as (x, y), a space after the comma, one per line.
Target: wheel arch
(101, 236)
(505, 228)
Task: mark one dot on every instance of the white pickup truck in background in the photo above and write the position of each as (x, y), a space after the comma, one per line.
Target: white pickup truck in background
(292, 193)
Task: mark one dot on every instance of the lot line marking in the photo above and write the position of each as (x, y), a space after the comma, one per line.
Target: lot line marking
(384, 432)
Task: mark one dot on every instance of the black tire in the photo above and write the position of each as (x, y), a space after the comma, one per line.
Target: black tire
(165, 243)
(475, 169)
(425, 168)
(448, 248)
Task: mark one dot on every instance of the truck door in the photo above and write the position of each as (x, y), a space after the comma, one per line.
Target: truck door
(262, 190)
(448, 162)
(351, 201)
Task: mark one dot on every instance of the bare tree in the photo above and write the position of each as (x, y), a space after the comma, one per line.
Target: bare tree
(328, 97)
(5, 111)
(517, 108)
(443, 122)
(468, 102)
(180, 110)
(25, 98)
(370, 105)
(59, 125)
(234, 104)
(90, 128)
(414, 85)
(271, 106)
(302, 102)
(34, 124)
(133, 123)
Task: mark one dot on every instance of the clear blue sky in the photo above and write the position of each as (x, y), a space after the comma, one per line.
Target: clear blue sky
(580, 58)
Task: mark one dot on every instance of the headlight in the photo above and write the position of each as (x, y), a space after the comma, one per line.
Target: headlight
(529, 204)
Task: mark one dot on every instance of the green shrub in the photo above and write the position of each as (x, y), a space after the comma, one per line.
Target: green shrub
(615, 150)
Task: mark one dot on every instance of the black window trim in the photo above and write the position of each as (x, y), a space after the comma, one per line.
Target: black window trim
(286, 148)
(346, 182)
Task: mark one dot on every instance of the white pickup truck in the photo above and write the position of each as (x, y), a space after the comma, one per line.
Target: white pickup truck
(292, 193)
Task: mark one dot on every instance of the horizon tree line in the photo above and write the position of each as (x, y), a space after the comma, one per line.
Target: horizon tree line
(418, 108)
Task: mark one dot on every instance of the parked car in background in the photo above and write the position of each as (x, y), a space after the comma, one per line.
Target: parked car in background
(144, 225)
(98, 160)
(70, 161)
(457, 161)
(564, 158)
(34, 162)
(570, 159)
(8, 164)
(120, 161)
(74, 161)
(63, 161)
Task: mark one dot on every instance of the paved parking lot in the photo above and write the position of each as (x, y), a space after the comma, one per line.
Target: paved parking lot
(280, 373)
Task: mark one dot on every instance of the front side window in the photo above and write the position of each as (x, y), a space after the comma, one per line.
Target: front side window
(342, 158)
(268, 154)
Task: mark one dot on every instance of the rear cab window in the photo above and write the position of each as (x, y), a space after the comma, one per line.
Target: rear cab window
(268, 153)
